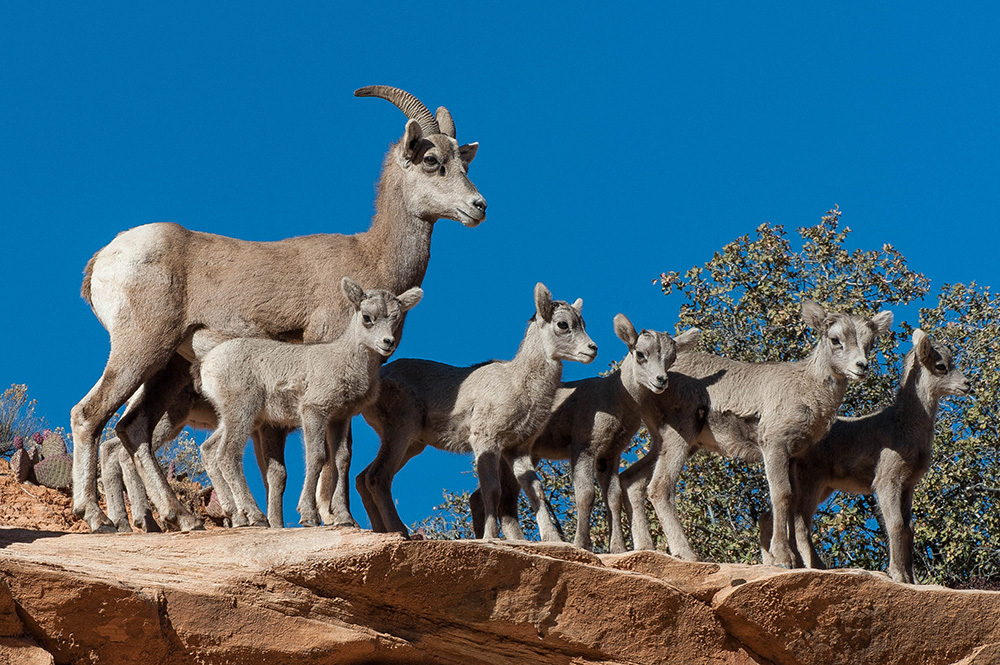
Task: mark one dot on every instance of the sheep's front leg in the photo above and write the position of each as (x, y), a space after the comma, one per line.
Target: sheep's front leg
(897, 506)
(488, 470)
(336, 503)
(314, 436)
(607, 476)
(142, 513)
(634, 480)
(527, 476)
(510, 489)
(776, 468)
(583, 465)
(269, 447)
(673, 454)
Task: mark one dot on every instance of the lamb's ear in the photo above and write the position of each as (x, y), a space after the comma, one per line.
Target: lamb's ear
(543, 302)
(687, 339)
(411, 139)
(352, 291)
(922, 345)
(626, 331)
(814, 315)
(883, 321)
(408, 299)
(578, 305)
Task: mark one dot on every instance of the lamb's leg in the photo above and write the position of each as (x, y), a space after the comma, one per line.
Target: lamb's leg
(156, 416)
(527, 476)
(607, 476)
(375, 482)
(488, 470)
(776, 461)
(896, 503)
(510, 490)
(314, 434)
(229, 460)
(338, 507)
(142, 513)
(124, 373)
(114, 486)
(582, 467)
(809, 494)
(269, 448)
(673, 454)
(210, 453)
(635, 480)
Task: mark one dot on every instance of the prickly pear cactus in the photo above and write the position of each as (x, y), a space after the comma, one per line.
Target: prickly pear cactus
(53, 445)
(20, 464)
(214, 508)
(34, 454)
(55, 472)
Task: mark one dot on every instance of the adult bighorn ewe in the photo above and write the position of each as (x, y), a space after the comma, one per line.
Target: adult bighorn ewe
(493, 410)
(593, 421)
(885, 453)
(768, 410)
(153, 286)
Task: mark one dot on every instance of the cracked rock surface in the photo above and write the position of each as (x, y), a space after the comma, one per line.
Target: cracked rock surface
(338, 595)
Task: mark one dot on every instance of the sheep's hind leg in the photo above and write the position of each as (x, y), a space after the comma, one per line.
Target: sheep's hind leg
(527, 476)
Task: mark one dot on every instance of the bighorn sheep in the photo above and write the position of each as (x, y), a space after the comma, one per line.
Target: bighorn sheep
(252, 382)
(770, 410)
(153, 286)
(494, 409)
(886, 453)
(593, 421)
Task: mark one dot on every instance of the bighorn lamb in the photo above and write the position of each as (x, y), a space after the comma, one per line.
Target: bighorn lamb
(886, 453)
(593, 421)
(770, 410)
(253, 382)
(154, 285)
(493, 409)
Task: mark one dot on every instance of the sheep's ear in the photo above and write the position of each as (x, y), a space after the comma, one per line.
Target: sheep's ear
(468, 152)
(687, 339)
(883, 322)
(352, 291)
(922, 345)
(626, 331)
(543, 302)
(408, 299)
(411, 139)
(578, 305)
(813, 315)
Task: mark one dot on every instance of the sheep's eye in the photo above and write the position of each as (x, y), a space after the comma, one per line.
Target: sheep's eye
(835, 341)
(563, 325)
(941, 367)
(640, 356)
(367, 319)
(430, 160)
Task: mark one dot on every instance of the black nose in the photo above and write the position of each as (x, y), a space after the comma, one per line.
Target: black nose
(479, 203)
(593, 347)
(388, 341)
(661, 380)
(862, 365)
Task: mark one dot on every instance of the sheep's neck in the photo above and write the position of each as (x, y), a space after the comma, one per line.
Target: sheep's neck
(817, 367)
(915, 400)
(633, 395)
(354, 358)
(398, 243)
(532, 366)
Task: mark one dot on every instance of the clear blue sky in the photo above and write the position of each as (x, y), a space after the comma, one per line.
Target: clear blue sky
(616, 142)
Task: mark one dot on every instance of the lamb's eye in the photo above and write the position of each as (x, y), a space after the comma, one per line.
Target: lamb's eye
(941, 367)
(835, 341)
(640, 356)
(430, 160)
(563, 325)
(367, 320)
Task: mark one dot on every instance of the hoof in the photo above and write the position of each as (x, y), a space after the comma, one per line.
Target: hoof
(308, 522)
(123, 527)
(106, 528)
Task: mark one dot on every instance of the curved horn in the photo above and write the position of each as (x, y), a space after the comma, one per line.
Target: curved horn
(407, 103)
(444, 119)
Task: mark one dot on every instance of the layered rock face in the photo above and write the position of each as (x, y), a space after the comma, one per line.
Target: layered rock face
(327, 595)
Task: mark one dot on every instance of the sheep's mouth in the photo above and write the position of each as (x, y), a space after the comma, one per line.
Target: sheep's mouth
(471, 218)
(585, 358)
(385, 350)
(657, 388)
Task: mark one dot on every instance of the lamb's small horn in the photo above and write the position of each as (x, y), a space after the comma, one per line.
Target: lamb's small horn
(407, 103)
(445, 121)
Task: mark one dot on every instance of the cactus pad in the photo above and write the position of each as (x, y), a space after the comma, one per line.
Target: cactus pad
(214, 508)
(20, 465)
(55, 472)
(53, 445)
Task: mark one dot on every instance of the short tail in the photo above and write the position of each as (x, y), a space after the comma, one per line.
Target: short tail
(88, 274)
